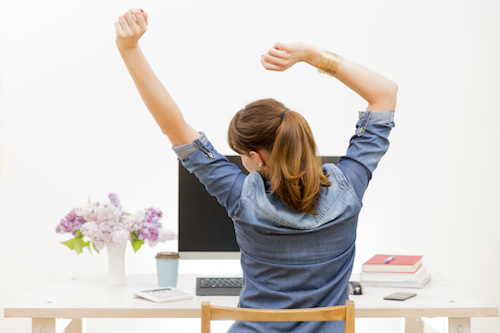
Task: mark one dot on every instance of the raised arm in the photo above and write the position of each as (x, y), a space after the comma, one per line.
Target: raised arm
(378, 91)
(129, 29)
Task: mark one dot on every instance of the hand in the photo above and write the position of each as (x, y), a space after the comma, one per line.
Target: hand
(284, 55)
(130, 27)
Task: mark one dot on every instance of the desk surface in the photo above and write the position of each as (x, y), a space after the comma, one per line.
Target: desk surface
(88, 296)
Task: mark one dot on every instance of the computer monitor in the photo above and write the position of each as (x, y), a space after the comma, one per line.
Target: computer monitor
(205, 229)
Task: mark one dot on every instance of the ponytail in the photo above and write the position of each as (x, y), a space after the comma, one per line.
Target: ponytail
(294, 169)
(295, 173)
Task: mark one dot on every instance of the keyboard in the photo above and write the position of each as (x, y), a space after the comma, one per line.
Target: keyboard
(218, 286)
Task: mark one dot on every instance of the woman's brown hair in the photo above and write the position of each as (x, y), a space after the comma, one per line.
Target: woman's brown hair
(295, 170)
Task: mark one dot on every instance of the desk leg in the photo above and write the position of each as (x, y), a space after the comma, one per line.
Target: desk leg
(414, 325)
(43, 325)
(459, 325)
(75, 326)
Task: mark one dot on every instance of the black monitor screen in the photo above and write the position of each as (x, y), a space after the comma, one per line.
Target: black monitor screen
(205, 230)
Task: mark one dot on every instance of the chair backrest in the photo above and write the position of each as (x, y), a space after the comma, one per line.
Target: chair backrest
(331, 313)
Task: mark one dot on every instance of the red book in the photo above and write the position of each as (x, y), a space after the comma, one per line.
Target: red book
(392, 263)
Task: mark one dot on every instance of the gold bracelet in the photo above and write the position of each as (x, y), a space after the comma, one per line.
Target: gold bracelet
(329, 63)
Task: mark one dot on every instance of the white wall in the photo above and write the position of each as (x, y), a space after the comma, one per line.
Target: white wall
(72, 124)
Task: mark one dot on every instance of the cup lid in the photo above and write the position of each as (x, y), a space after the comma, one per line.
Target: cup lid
(167, 255)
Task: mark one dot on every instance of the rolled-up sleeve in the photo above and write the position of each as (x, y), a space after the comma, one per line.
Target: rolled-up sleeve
(366, 148)
(222, 179)
(187, 149)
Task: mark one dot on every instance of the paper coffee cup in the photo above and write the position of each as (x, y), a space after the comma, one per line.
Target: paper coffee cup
(167, 266)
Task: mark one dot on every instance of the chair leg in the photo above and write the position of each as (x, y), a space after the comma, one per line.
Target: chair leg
(349, 317)
(205, 317)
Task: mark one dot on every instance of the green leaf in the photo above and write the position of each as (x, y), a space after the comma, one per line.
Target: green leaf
(136, 244)
(87, 245)
(69, 243)
(135, 241)
(96, 250)
(76, 244)
(79, 244)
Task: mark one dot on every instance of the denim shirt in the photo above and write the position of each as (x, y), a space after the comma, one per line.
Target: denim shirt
(291, 259)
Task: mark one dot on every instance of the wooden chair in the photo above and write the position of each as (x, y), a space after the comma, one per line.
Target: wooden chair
(331, 313)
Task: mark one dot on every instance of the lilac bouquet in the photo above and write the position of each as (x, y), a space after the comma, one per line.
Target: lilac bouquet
(106, 224)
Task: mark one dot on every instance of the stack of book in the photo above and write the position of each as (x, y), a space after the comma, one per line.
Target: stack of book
(395, 271)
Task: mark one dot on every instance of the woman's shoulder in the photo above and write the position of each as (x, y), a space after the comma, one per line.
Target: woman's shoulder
(335, 175)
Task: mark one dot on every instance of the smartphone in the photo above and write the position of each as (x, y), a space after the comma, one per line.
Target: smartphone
(399, 296)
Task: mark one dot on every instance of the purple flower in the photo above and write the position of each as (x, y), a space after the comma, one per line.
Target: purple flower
(114, 200)
(106, 224)
(153, 215)
(150, 227)
(70, 224)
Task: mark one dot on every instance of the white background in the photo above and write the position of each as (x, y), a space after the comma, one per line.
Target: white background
(73, 125)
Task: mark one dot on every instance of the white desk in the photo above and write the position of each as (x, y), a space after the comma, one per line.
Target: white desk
(88, 296)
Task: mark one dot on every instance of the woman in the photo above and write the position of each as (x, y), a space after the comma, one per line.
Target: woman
(295, 220)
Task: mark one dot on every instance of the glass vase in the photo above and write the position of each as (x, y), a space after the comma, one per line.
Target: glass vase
(117, 275)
